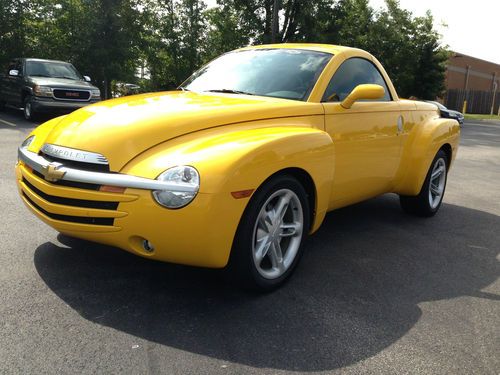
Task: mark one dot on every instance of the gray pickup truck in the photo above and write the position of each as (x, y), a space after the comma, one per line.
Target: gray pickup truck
(45, 86)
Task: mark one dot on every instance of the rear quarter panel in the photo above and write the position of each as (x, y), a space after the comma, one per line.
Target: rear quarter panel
(425, 133)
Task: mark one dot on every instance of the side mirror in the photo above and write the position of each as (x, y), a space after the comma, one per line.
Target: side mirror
(14, 73)
(367, 91)
(86, 78)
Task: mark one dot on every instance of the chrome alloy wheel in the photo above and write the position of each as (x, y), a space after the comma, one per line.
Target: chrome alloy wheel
(437, 183)
(277, 233)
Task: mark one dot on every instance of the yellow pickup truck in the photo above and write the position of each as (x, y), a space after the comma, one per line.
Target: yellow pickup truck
(235, 168)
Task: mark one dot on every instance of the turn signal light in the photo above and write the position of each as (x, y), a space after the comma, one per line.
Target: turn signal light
(242, 193)
(112, 189)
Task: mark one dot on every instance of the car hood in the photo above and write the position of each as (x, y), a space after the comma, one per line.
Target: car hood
(62, 83)
(122, 128)
(455, 113)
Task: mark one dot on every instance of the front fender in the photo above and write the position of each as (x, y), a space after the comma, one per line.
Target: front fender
(423, 142)
(41, 132)
(242, 158)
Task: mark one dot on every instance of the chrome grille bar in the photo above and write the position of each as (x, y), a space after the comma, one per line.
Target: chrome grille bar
(43, 166)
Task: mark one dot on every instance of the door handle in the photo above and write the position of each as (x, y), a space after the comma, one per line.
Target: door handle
(400, 124)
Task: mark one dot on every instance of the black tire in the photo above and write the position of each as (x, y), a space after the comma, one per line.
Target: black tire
(2, 105)
(423, 204)
(29, 113)
(242, 267)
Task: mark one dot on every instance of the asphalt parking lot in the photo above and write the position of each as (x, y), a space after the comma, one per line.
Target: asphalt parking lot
(377, 291)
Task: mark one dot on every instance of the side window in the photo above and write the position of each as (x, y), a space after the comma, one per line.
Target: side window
(353, 72)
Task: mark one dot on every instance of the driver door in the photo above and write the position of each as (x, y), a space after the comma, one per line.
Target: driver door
(365, 136)
(13, 86)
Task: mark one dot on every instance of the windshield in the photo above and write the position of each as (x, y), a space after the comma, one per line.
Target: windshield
(280, 73)
(52, 69)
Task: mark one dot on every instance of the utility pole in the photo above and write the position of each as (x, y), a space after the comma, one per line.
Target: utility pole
(275, 24)
(466, 85)
(495, 86)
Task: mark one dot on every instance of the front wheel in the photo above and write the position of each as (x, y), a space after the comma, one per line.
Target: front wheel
(28, 111)
(268, 242)
(428, 201)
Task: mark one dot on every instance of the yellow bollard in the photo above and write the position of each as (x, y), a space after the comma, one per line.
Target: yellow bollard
(464, 108)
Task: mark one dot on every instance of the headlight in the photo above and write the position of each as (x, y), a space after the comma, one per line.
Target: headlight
(27, 141)
(184, 176)
(42, 90)
(96, 94)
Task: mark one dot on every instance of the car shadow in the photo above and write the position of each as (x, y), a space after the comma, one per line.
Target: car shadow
(355, 293)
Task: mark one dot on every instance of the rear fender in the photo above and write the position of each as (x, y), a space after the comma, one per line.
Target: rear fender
(423, 142)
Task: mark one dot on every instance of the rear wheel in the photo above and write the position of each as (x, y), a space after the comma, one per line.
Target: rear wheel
(28, 111)
(268, 243)
(428, 201)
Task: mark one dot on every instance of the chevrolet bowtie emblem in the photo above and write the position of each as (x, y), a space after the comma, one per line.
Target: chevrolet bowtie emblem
(52, 172)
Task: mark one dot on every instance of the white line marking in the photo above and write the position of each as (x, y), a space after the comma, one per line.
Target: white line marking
(7, 123)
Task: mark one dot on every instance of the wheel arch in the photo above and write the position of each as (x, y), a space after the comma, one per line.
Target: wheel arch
(24, 93)
(307, 182)
(449, 154)
(423, 143)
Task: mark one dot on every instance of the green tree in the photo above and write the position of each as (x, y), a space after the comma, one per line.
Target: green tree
(225, 32)
(110, 52)
(408, 47)
(15, 28)
(110, 39)
(430, 66)
(98, 36)
(174, 39)
(298, 19)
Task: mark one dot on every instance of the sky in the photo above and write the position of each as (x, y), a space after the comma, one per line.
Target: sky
(472, 26)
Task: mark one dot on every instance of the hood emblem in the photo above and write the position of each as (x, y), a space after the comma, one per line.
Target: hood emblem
(67, 153)
(52, 173)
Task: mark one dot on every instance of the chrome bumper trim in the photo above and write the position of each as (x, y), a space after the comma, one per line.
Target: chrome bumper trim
(43, 166)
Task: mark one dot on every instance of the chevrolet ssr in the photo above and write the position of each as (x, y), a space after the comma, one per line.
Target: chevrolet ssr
(235, 168)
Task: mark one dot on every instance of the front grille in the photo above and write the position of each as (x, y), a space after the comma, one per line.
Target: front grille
(69, 94)
(77, 164)
(72, 219)
(71, 201)
(79, 185)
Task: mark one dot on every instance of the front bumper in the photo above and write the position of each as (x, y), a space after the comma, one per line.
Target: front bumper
(46, 105)
(199, 234)
(51, 170)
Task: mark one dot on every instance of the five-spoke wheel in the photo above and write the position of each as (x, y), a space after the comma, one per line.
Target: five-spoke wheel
(437, 183)
(277, 233)
(267, 245)
(428, 201)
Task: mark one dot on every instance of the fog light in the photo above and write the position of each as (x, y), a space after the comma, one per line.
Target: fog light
(148, 246)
